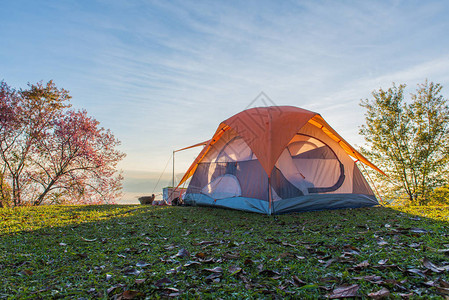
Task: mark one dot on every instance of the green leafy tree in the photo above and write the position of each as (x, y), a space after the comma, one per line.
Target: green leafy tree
(408, 140)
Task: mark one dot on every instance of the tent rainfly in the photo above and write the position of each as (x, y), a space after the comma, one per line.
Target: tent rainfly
(276, 160)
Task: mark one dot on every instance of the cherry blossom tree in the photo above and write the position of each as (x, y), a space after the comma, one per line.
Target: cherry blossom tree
(26, 115)
(49, 154)
(77, 162)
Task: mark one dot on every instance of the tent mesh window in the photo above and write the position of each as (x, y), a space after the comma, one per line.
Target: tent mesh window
(230, 169)
(307, 166)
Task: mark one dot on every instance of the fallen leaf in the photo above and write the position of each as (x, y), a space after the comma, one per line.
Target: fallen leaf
(170, 292)
(383, 267)
(209, 260)
(244, 279)
(142, 264)
(381, 242)
(329, 262)
(405, 295)
(382, 261)
(414, 245)
(383, 293)
(140, 281)
(418, 230)
(174, 271)
(162, 282)
(114, 287)
(417, 272)
(182, 253)
(445, 251)
(363, 265)
(191, 263)
(128, 295)
(203, 243)
(344, 292)
(214, 277)
(215, 270)
(130, 271)
(429, 265)
(349, 250)
(81, 255)
(88, 240)
(297, 281)
(269, 273)
(288, 244)
(133, 250)
(350, 247)
(231, 256)
(27, 272)
(444, 291)
(169, 247)
(234, 270)
(443, 283)
(370, 278)
(200, 255)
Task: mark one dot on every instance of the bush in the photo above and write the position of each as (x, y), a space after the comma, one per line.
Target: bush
(440, 196)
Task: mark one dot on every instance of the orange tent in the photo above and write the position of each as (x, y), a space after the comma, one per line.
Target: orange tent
(268, 133)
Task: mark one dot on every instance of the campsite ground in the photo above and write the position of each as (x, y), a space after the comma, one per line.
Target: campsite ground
(137, 252)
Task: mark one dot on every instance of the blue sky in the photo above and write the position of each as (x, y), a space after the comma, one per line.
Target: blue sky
(163, 74)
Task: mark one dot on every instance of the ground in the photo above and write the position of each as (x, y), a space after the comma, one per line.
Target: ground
(138, 252)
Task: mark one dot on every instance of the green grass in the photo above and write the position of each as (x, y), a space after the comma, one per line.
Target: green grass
(83, 252)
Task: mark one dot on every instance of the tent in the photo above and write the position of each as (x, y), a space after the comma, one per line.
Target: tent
(276, 160)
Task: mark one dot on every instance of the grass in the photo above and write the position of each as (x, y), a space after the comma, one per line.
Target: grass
(83, 252)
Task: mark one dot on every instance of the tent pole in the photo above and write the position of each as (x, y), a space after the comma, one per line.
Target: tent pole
(269, 195)
(270, 204)
(173, 174)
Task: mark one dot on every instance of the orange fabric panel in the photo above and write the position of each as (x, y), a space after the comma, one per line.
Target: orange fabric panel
(319, 122)
(267, 130)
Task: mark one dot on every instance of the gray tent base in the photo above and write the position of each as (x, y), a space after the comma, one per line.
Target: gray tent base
(297, 204)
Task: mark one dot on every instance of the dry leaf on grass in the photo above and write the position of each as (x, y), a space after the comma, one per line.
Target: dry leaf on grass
(344, 292)
(234, 270)
(215, 270)
(431, 266)
(383, 293)
(162, 282)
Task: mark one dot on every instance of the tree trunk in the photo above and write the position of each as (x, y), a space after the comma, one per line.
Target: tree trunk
(44, 193)
(16, 191)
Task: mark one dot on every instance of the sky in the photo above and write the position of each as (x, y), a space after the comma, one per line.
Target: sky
(162, 75)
